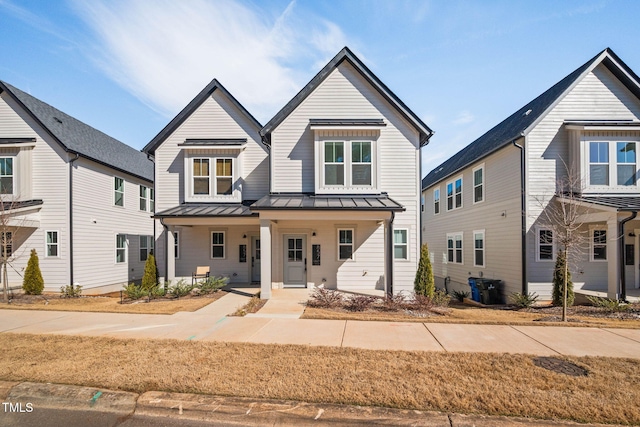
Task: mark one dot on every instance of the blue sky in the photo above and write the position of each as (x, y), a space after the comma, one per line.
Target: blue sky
(127, 67)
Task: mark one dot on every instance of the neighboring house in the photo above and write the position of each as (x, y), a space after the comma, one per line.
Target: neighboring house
(82, 199)
(484, 207)
(328, 192)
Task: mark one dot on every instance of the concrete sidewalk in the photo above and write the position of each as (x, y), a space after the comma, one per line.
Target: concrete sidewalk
(212, 324)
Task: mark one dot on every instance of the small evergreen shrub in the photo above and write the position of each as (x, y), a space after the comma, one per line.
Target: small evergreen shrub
(524, 300)
(180, 289)
(441, 298)
(69, 291)
(212, 284)
(134, 292)
(609, 305)
(150, 276)
(33, 283)
(424, 283)
(461, 295)
(558, 282)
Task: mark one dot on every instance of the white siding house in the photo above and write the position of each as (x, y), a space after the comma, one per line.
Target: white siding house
(327, 192)
(585, 130)
(61, 201)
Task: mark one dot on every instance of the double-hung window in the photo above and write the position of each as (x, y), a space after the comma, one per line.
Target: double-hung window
(478, 184)
(436, 201)
(333, 163)
(345, 244)
(146, 247)
(121, 248)
(52, 244)
(361, 163)
(6, 175)
(144, 194)
(224, 176)
(6, 241)
(118, 191)
(626, 163)
(598, 245)
(400, 244)
(454, 248)
(454, 194)
(217, 244)
(545, 244)
(201, 177)
(478, 248)
(599, 163)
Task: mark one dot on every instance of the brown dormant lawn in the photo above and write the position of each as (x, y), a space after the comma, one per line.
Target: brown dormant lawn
(111, 304)
(496, 384)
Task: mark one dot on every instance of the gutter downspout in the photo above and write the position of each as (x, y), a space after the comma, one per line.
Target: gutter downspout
(390, 255)
(71, 219)
(622, 285)
(523, 207)
(166, 250)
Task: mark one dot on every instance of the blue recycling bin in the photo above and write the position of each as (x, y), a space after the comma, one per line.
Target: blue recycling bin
(475, 292)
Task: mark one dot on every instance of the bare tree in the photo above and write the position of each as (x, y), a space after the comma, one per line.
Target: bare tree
(564, 214)
(11, 225)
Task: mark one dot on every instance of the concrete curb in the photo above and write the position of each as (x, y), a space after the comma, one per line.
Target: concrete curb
(73, 397)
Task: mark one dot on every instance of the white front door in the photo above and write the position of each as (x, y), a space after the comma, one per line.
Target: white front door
(255, 259)
(295, 261)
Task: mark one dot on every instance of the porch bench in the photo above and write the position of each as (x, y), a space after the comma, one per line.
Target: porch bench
(201, 272)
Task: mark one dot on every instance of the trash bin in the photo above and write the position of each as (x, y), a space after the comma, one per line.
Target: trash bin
(489, 291)
(475, 293)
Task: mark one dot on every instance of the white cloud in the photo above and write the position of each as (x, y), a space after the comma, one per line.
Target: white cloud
(165, 51)
(463, 118)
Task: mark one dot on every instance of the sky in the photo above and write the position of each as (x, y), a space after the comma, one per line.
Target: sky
(128, 67)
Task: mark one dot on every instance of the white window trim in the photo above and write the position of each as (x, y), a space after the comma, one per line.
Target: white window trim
(484, 180)
(348, 141)
(453, 183)
(453, 237)
(212, 196)
(592, 243)
(224, 244)
(152, 199)
(13, 175)
(124, 185)
(176, 245)
(214, 172)
(149, 246)
(612, 141)
(145, 198)
(553, 245)
(439, 201)
(46, 245)
(193, 177)
(126, 249)
(406, 244)
(484, 249)
(352, 244)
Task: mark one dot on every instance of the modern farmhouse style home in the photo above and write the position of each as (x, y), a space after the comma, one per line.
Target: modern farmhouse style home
(82, 199)
(486, 207)
(327, 192)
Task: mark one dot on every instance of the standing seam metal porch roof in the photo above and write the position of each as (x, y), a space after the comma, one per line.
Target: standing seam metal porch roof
(207, 210)
(329, 202)
(620, 203)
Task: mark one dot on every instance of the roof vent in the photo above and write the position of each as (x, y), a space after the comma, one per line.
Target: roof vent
(57, 120)
(526, 113)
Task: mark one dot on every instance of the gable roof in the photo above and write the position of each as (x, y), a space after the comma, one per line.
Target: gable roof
(79, 138)
(346, 55)
(190, 108)
(519, 123)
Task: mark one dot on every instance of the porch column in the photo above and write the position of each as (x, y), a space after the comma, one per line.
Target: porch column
(170, 274)
(613, 254)
(265, 262)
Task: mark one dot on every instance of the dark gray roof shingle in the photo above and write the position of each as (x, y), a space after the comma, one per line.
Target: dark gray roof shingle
(80, 138)
(511, 128)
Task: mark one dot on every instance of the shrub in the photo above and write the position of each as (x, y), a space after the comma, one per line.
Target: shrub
(70, 291)
(33, 283)
(180, 289)
(610, 305)
(461, 295)
(133, 291)
(394, 302)
(212, 284)
(441, 298)
(424, 283)
(150, 276)
(322, 297)
(360, 302)
(558, 282)
(524, 300)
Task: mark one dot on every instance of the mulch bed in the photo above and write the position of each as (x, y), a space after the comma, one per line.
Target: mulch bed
(632, 312)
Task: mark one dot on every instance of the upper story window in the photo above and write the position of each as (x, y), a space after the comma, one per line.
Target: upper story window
(224, 176)
(333, 163)
(626, 163)
(612, 164)
(361, 158)
(478, 184)
(118, 191)
(212, 178)
(6, 175)
(454, 194)
(201, 176)
(436, 201)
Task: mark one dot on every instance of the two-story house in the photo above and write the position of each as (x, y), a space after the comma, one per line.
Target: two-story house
(327, 192)
(485, 207)
(82, 199)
